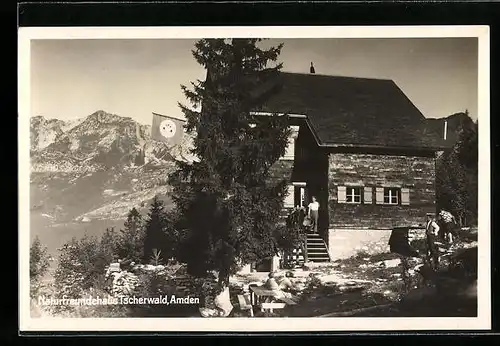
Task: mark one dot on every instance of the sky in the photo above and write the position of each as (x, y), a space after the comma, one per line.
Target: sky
(133, 78)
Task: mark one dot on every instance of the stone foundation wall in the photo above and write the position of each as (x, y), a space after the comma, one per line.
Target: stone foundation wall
(345, 243)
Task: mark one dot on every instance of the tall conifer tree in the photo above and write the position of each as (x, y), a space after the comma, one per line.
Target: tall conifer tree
(228, 205)
(155, 236)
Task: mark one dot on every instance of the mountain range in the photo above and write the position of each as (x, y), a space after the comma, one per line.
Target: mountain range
(92, 171)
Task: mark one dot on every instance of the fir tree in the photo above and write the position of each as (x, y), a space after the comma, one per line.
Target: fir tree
(131, 242)
(155, 237)
(108, 247)
(39, 265)
(457, 175)
(227, 204)
(39, 259)
(80, 267)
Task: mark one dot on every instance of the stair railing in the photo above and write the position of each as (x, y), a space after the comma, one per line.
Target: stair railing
(297, 231)
(303, 243)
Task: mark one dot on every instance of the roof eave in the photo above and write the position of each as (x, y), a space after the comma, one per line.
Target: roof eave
(368, 146)
(351, 146)
(376, 146)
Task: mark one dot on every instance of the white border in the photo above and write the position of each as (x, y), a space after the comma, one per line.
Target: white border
(482, 322)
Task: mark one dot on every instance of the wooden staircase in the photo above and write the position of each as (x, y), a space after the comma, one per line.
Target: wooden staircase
(316, 249)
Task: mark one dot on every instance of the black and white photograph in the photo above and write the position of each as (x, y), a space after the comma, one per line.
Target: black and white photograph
(186, 179)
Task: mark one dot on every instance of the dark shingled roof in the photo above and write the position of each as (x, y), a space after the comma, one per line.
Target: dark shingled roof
(354, 111)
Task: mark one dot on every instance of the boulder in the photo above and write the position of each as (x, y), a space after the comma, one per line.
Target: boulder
(223, 302)
(149, 267)
(218, 306)
(329, 278)
(391, 263)
(308, 266)
(114, 267)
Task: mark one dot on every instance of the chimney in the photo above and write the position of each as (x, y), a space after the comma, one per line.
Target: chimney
(311, 69)
(445, 129)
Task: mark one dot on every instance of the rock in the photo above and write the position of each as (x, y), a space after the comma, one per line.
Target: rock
(114, 267)
(308, 266)
(328, 278)
(223, 302)
(391, 295)
(418, 267)
(208, 312)
(389, 263)
(346, 289)
(300, 286)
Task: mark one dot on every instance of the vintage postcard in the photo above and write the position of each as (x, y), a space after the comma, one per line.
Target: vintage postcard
(254, 179)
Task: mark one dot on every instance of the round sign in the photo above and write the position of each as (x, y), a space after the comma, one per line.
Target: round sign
(167, 128)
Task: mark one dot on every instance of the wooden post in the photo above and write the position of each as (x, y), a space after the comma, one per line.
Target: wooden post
(304, 247)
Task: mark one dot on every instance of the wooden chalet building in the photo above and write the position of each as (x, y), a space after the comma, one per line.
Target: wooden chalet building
(363, 149)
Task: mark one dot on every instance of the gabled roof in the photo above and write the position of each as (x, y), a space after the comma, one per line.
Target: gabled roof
(351, 111)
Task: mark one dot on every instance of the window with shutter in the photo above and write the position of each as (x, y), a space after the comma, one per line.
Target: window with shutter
(353, 195)
(368, 195)
(405, 196)
(341, 194)
(379, 195)
(391, 195)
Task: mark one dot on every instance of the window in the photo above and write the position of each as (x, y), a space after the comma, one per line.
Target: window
(353, 195)
(391, 195)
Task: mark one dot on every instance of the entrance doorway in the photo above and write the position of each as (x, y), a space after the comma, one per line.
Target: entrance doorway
(301, 197)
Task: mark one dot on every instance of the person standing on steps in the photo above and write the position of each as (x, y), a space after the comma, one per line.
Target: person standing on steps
(313, 208)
